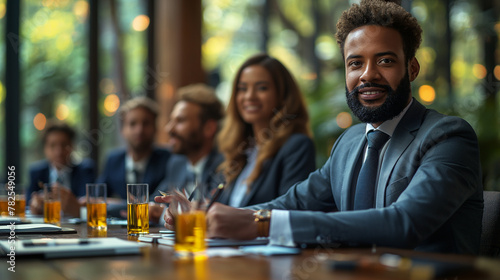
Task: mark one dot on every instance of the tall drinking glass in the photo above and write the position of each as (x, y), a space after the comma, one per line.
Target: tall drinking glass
(51, 204)
(96, 206)
(137, 209)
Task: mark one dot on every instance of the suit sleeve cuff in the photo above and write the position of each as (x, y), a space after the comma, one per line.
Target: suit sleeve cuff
(280, 231)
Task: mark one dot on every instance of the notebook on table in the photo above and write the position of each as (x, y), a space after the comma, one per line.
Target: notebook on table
(169, 240)
(73, 247)
(34, 229)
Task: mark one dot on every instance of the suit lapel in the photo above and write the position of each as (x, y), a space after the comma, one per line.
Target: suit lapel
(401, 139)
(358, 143)
(257, 184)
(207, 169)
(122, 179)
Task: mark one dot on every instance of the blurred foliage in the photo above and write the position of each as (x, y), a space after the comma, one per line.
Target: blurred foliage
(301, 35)
(2, 85)
(54, 56)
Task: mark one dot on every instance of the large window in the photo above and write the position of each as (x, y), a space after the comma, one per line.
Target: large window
(54, 70)
(460, 67)
(53, 58)
(453, 58)
(3, 168)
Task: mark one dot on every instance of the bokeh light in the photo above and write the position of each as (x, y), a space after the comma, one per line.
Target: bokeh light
(111, 104)
(496, 72)
(81, 9)
(427, 94)
(309, 76)
(62, 112)
(344, 120)
(140, 23)
(39, 121)
(479, 71)
(2, 10)
(2, 92)
(107, 86)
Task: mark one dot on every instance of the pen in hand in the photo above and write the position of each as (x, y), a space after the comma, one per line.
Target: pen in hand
(218, 192)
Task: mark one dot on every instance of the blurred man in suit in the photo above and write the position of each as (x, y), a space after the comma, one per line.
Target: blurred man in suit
(192, 128)
(59, 168)
(140, 161)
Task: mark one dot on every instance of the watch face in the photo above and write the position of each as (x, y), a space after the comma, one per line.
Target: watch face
(263, 214)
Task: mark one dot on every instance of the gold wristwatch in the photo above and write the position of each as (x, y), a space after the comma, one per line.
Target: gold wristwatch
(263, 220)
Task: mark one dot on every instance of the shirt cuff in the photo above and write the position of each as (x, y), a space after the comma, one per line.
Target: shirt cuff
(280, 230)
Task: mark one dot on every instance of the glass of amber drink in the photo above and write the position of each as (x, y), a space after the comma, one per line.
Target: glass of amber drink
(190, 224)
(20, 207)
(51, 204)
(4, 205)
(96, 206)
(137, 209)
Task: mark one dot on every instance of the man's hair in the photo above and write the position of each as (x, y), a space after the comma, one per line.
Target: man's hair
(204, 96)
(138, 102)
(58, 126)
(387, 14)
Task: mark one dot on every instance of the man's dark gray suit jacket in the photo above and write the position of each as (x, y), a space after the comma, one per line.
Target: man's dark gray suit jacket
(428, 196)
(177, 174)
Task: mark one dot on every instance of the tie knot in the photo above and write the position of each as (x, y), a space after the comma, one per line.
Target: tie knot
(376, 139)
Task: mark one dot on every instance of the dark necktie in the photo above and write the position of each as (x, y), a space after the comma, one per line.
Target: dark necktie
(363, 199)
(138, 176)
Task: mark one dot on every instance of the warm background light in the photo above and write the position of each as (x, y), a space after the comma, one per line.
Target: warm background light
(140, 23)
(344, 120)
(427, 94)
(81, 9)
(107, 86)
(2, 92)
(39, 121)
(496, 72)
(62, 112)
(2, 10)
(111, 104)
(309, 76)
(479, 71)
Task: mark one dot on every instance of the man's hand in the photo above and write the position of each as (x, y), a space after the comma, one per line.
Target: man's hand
(69, 203)
(155, 211)
(177, 202)
(36, 203)
(227, 222)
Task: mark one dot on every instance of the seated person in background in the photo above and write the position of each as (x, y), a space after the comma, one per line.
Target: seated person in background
(140, 161)
(266, 139)
(407, 177)
(192, 128)
(58, 168)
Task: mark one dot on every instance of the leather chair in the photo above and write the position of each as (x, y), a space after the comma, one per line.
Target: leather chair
(490, 236)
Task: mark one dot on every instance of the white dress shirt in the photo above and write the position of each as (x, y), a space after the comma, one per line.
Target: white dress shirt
(280, 229)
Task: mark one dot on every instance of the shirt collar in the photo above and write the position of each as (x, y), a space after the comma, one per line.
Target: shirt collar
(389, 126)
(197, 169)
(140, 166)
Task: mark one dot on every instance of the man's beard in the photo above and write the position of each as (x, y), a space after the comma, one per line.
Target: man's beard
(187, 145)
(393, 105)
(143, 146)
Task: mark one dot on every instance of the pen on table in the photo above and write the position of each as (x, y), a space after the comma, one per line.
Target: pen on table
(166, 194)
(218, 192)
(191, 196)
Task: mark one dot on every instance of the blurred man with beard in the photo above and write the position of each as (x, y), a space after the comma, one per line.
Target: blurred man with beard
(140, 161)
(407, 177)
(192, 128)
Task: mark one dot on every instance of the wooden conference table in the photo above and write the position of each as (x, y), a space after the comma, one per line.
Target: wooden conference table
(159, 262)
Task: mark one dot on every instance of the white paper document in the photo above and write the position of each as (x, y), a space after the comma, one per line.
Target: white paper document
(74, 247)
